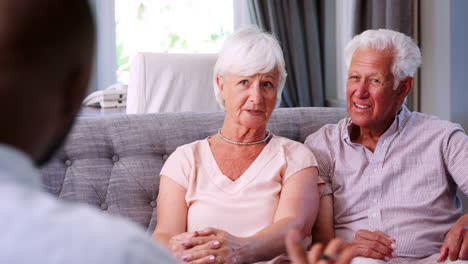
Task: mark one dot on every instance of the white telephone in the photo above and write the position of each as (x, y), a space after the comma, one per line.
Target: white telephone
(113, 96)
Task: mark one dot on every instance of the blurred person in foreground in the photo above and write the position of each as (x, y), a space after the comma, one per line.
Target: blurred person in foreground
(232, 197)
(46, 54)
(336, 251)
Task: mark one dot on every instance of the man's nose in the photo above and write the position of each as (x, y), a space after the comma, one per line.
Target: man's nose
(362, 90)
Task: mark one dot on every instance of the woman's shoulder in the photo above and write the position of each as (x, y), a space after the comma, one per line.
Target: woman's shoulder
(295, 155)
(192, 145)
(291, 146)
(190, 149)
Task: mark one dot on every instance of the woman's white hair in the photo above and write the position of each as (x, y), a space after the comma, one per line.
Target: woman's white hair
(406, 54)
(247, 52)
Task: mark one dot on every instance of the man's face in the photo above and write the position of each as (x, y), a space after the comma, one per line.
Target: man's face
(371, 101)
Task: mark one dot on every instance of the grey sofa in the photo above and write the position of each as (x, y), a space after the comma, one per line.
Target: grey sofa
(113, 162)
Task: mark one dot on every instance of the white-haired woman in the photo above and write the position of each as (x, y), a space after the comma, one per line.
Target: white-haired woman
(232, 197)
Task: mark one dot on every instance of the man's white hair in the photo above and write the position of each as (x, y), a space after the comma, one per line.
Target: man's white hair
(406, 54)
(247, 52)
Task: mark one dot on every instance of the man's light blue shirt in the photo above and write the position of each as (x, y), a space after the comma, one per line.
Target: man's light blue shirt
(38, 228)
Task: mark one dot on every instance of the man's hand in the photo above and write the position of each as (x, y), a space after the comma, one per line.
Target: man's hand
(456, 241)
(376, 245)
(334, 253)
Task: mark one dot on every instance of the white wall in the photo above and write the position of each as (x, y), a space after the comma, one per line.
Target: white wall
(459, 62)
(435, 49)
(337, 32)
(444, 74)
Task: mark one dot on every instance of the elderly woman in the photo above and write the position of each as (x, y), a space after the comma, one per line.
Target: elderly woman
(232, 197)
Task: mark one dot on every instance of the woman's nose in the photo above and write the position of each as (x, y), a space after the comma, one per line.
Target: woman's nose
(256, 95)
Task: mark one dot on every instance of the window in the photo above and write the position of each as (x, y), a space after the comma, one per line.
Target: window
(182, 26)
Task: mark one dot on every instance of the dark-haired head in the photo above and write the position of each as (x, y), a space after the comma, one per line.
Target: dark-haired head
(46, 55)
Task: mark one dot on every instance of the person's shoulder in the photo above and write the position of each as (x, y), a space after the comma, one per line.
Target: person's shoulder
(84, 234)
(433, 123)
(190, 146)
(190, 150)
(328, 132)
(291, 146)
(287, 143)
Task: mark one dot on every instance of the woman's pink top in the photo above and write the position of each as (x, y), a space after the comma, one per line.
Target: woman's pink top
(242, 207)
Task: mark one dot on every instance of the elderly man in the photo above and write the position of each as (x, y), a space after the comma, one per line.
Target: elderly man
(393, 173)
(46, 49)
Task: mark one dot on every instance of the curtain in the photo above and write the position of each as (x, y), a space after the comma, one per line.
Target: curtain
(398, 15)
(105, 62)
(295, 24)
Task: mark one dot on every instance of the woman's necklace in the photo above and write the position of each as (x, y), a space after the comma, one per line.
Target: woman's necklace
(244, 143)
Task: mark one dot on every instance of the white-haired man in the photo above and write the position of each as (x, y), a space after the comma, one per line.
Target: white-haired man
(393, 173)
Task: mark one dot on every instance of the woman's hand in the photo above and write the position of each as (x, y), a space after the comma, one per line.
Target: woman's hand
(181, 242)
(214, 246)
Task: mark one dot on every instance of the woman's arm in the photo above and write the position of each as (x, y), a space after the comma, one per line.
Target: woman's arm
(171, 212)
(297, 208)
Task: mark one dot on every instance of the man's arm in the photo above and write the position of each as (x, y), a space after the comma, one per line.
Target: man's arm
(456, 159)
(324, 230)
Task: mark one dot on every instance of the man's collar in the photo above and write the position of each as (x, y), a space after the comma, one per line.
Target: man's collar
(17, 168)
(397, 125)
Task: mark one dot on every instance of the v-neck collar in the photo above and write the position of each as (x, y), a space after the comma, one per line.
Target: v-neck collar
(225, 183)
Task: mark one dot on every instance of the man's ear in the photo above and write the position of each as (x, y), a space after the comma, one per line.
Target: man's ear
(74, 86)
(405, 87)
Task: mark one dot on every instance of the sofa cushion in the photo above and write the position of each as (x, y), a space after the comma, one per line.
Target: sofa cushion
(113, 163)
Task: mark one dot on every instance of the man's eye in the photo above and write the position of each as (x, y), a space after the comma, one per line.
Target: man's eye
(243, 82)
(375, 80)
(354, 77)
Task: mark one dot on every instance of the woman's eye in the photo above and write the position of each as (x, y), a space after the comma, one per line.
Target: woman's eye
(268, 84)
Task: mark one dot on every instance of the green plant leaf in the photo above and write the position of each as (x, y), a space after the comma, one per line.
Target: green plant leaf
(173, 40)
(214, 36)
(141, 11)
(119, 50)
(123, 61)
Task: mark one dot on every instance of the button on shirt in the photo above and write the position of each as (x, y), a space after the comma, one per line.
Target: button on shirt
(405, 188)
(37, 228)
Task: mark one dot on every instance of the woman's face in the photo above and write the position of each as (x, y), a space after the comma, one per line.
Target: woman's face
(249, 100)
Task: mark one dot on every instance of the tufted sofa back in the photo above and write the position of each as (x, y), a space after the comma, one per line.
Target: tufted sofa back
(113, 163)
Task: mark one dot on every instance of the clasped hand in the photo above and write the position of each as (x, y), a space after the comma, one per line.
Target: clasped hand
(207, 246)
(373, 244)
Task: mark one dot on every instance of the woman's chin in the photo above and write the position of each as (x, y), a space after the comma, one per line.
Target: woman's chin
(253, 122)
